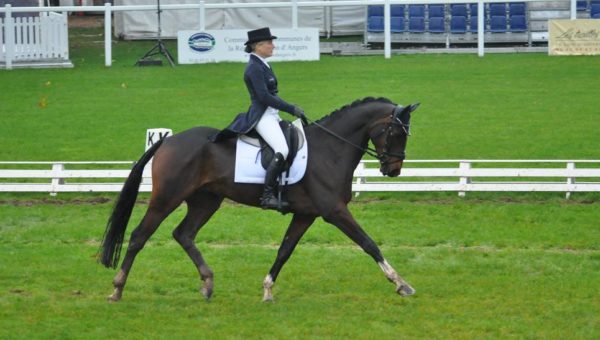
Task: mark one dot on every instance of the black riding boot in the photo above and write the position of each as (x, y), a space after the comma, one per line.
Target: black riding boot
(269, 198)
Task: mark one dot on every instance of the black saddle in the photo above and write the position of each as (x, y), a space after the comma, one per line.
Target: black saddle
(293, 137)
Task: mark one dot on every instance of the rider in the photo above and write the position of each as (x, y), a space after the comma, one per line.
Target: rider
(263, 114)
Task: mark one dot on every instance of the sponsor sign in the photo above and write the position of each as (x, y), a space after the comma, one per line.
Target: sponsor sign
(574, 37)
(213, 46)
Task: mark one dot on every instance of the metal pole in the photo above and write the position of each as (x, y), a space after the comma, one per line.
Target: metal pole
(480, 27)
(294, 14)
(107, 34)
(9, 36)
(202, 16)
(387, 35)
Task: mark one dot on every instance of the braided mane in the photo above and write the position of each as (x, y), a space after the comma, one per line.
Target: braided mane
(354, 104)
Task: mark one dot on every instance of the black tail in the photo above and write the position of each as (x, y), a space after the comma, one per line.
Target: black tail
(117, 223)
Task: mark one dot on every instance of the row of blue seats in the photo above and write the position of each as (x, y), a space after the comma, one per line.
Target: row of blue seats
(457, 24)
(439, 10)
(583, 5)
(593, 6)
(459, 18)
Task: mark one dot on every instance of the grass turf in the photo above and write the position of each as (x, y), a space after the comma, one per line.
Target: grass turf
(501, 106)
(480, 270)
(489, 265)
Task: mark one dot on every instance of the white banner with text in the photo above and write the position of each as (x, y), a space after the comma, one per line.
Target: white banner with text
(213, 46)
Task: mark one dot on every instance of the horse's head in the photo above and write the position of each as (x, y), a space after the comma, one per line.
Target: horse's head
(389, 136)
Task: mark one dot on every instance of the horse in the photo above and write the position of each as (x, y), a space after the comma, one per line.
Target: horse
(188, 167)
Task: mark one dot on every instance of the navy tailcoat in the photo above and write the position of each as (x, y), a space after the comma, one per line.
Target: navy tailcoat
(262, 87)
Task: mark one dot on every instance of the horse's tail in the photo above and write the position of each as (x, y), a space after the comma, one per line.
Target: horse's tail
(117, 223)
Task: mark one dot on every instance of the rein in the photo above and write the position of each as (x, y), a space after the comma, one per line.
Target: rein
(383, 157)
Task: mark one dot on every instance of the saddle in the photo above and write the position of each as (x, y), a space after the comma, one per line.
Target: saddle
(293, 137)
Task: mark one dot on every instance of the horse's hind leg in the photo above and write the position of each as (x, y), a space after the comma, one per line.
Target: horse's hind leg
(201, 207)
(140, 235)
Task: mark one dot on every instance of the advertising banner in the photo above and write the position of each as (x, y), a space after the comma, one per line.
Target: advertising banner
(574, 37)
(213, 46)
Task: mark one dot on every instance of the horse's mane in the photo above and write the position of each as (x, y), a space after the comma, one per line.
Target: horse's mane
(354, 104)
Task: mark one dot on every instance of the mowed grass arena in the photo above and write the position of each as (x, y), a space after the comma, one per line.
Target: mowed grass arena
(489, 265)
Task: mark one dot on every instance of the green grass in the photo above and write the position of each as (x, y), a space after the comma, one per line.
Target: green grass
(481, 269)
(501, 106)
(491, 265)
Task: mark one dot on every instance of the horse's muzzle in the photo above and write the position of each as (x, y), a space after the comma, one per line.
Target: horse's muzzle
(392, 169)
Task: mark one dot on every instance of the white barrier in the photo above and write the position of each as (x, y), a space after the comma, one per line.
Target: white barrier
(431, 175)
(36, 38)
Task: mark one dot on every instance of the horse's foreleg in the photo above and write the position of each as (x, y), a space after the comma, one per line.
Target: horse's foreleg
(342, 218)
(138, 239)
(201, 207)
(297, 228)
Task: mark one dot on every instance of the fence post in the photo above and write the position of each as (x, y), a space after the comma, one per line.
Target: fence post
(107, 34)
(294, 14)
(9, 36)
(57, 181)
(359, 180)
(480, 27)
(387, 35)
(202, 16)
(464, 180)
(570, 180)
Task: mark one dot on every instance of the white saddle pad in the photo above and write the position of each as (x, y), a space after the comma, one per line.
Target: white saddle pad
(248, 168)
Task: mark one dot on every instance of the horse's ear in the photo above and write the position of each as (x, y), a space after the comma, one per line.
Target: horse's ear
(413, 107)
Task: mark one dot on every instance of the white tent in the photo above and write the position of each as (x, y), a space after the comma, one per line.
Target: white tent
(343, 20)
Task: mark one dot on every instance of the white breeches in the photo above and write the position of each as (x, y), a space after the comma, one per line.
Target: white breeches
(268, 128)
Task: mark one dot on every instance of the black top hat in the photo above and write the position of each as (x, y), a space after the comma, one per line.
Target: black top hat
(260, 34)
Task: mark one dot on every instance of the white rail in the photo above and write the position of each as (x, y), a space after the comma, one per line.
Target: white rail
(37, 38)
(108, 9)
(418, 175)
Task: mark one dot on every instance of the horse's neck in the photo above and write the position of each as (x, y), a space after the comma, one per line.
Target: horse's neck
(354, 125)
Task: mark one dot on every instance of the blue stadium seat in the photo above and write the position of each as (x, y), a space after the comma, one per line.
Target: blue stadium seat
(416, 24)
(458, 24)
(375, 11)
(397, 25)
(458, 10)
(436, 11)
(518, 23)
(498, 24)
(595, 11)
(516, 8)
(497, 9)
(416, 11)
(437, 25)
(473, 9)
(473, 23)
(397, 10)
(375, 24)
(582, 5)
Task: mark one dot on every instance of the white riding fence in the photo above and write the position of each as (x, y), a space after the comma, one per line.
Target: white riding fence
(459, 176)
(39, 38)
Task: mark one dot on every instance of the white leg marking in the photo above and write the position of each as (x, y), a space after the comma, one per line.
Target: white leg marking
(267, 284)
(387, 269)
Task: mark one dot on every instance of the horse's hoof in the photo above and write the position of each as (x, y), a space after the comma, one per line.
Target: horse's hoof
(207, 288)
(405, 290)
(268, 298)
(113, 298)
(206, 292)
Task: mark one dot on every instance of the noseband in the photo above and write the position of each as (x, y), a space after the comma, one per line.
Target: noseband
(384, 156)
(395, 121)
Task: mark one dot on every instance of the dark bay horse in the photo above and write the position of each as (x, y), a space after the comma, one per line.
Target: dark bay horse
(188, 167)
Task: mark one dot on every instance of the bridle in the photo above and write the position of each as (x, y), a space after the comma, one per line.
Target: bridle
(384, 156)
